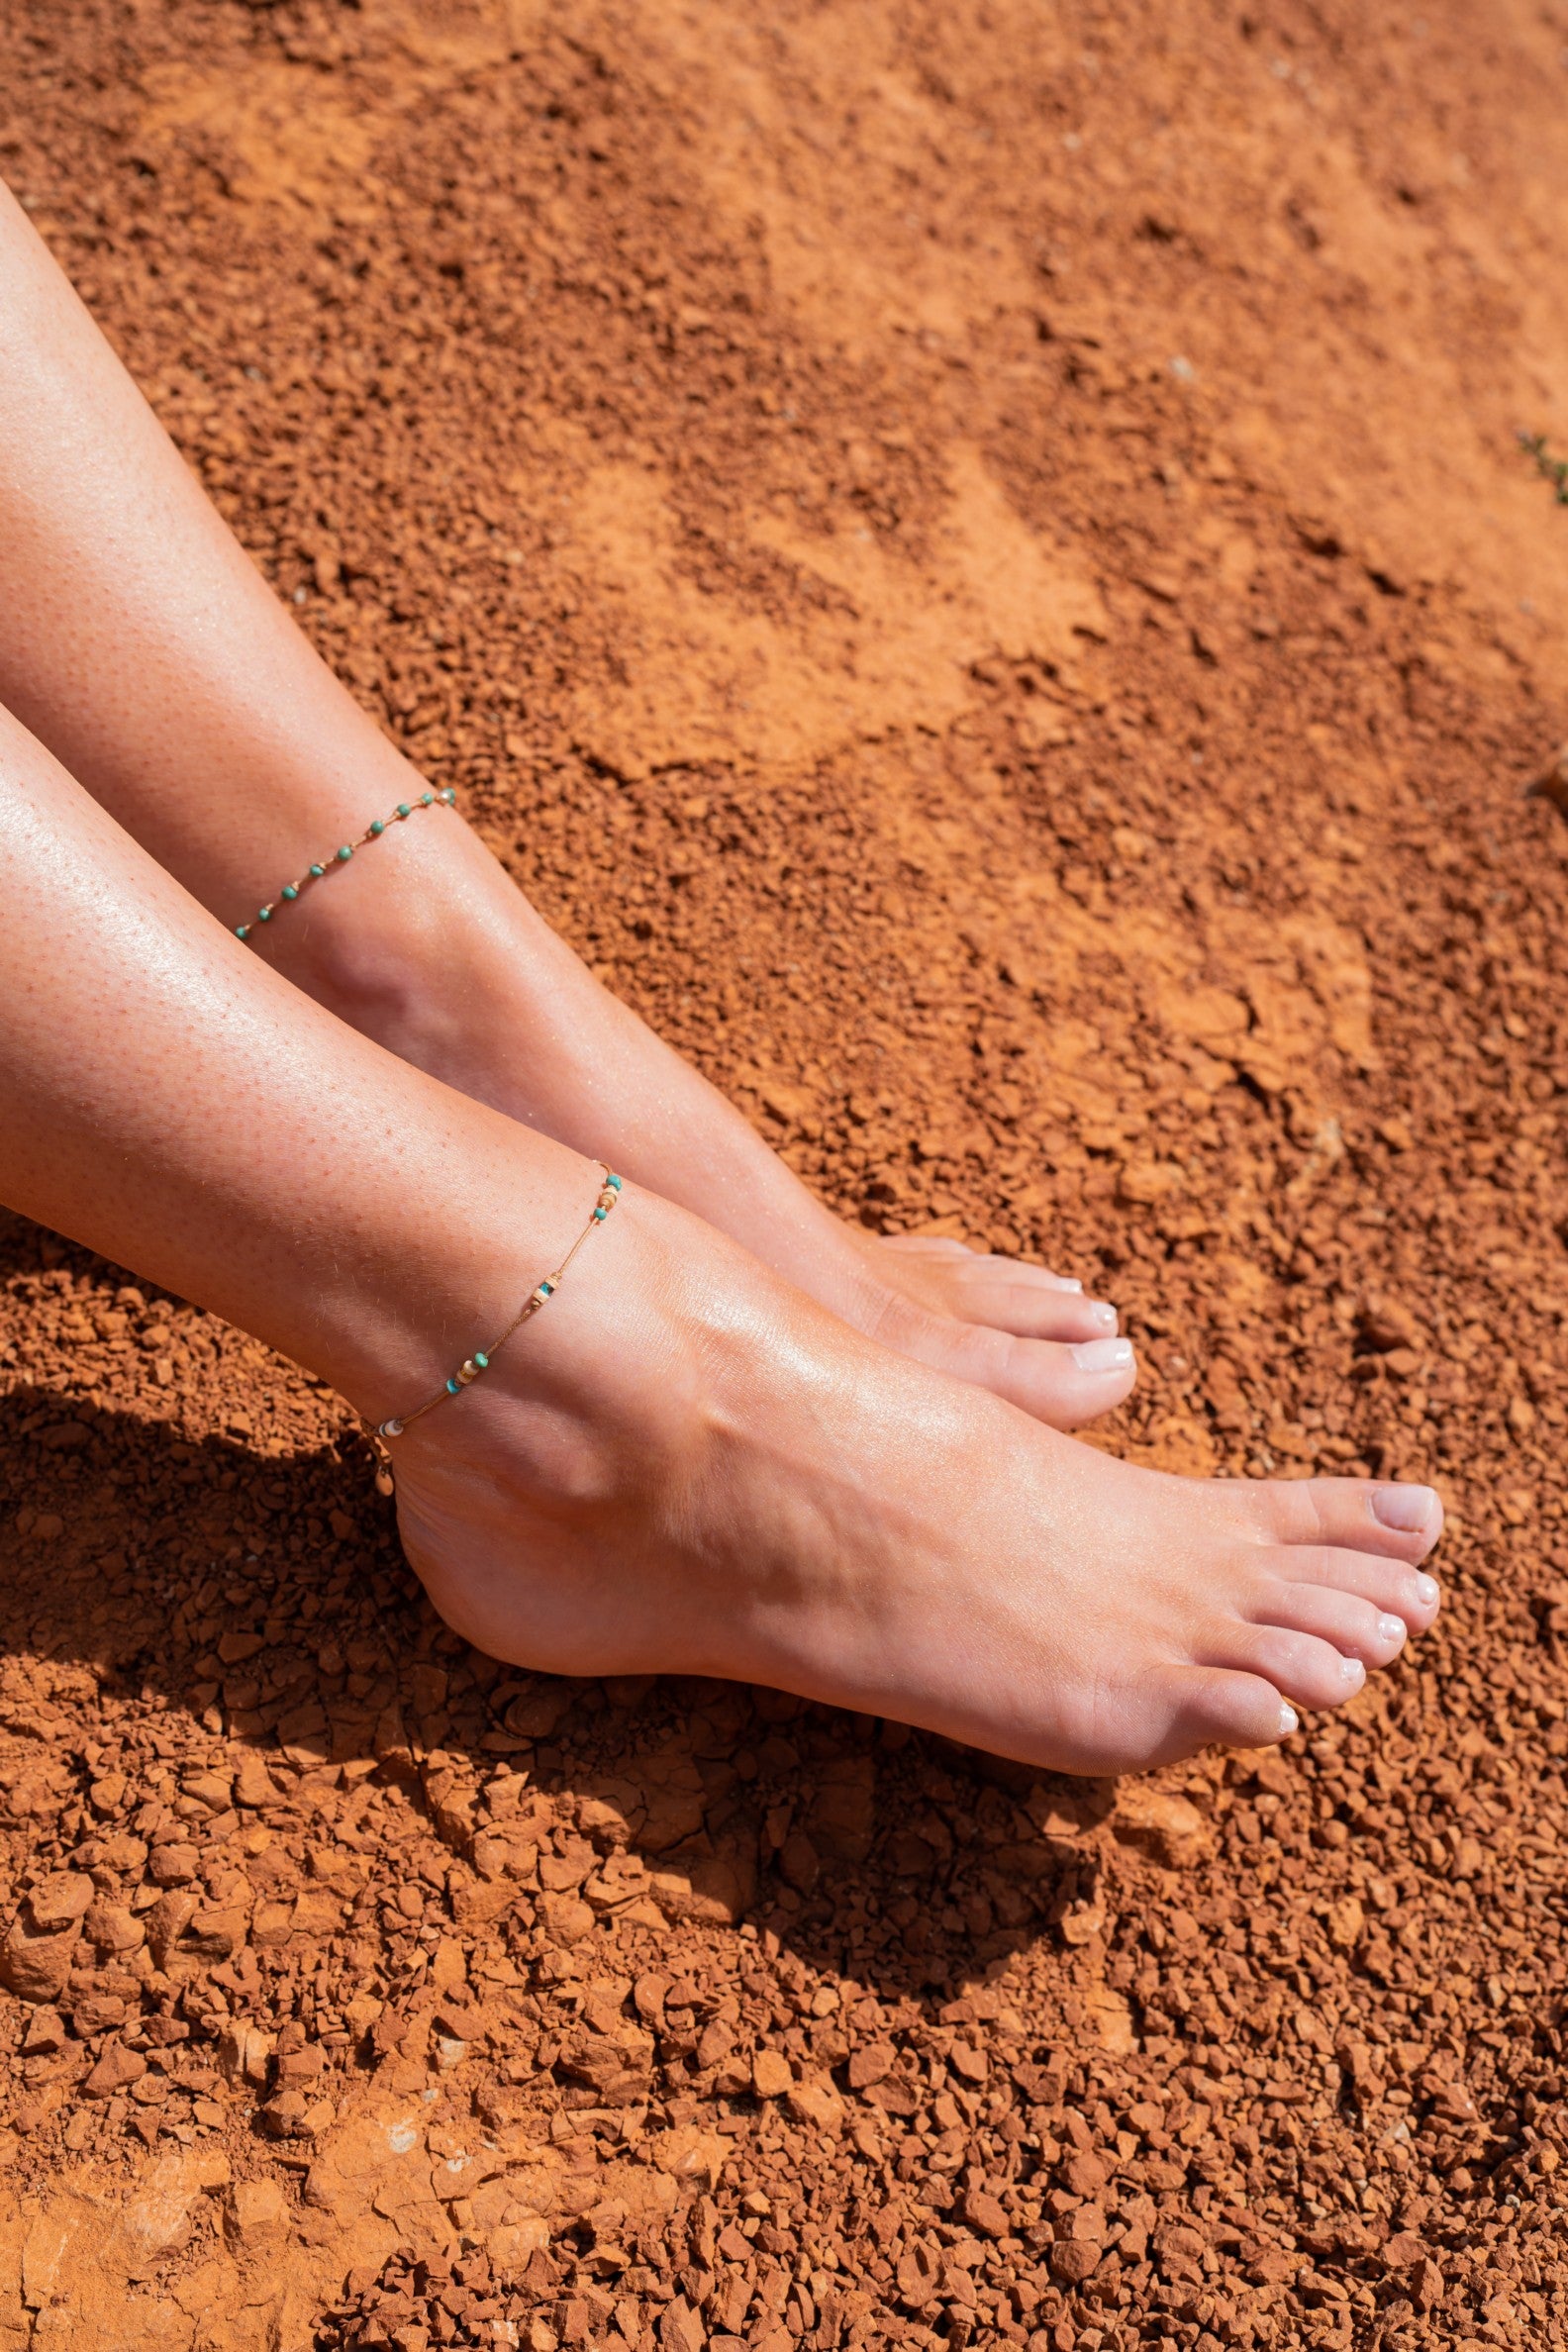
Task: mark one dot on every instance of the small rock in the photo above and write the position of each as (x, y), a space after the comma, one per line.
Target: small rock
(817, 2103)
(870, 2063)
(1073, 2260)
(61, 1899)
(253, 1785)
(173, 1865)
(46, 2033)
(772, 2076)
(36, 1963)
(255, 2218)
(113, 1928)
(986, 2214)
(117, 2068)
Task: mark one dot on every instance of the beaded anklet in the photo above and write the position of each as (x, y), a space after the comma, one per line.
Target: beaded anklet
(290, 891)
(381, 1432)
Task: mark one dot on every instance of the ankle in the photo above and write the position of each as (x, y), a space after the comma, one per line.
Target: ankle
(409, 945)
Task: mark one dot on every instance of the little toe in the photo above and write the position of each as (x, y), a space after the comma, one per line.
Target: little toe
(1349, 1625)
(1309, 1671)
(1214, 1706)
(1398, 1522)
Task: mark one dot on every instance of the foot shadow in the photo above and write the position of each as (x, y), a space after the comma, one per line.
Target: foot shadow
(223, 1692)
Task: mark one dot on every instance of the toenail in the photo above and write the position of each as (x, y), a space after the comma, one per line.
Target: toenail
(1103, 1316)
(1407, 1509)
(1351, 1670)
(1064, 1282)
(1427, 1590)
(1103, 1355)
(1391, 1628)
(1290, 1721)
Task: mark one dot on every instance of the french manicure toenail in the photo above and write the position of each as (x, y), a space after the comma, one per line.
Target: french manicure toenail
(1289, 1721)
(1427, 1590)
(1103, 1316)
(1351, 1670)
(1103, 1355)
(1391, 1628)
(1406, 1509)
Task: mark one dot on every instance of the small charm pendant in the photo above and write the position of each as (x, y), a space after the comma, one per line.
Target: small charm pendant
(384, 1482)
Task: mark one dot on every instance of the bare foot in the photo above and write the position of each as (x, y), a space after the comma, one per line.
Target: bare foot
(428, 948)
(683, 1465)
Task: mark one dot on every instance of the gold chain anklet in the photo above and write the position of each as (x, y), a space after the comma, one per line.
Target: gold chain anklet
(468, 1371)
(445, 799)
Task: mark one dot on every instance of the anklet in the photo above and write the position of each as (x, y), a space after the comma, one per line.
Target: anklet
(380, 1433)
(445, 799)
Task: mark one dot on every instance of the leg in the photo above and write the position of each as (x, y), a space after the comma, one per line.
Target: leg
(138, 642)
(683, 1464)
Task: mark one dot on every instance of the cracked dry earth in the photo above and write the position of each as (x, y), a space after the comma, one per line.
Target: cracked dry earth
(977, 561)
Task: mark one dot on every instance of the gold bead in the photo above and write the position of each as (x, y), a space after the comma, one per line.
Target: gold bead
(468, 1371)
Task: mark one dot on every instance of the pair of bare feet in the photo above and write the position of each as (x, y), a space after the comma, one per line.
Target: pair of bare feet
(750, 1441)
(746, 1438)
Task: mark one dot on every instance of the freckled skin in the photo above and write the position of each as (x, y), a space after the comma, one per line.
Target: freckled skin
(141, 644)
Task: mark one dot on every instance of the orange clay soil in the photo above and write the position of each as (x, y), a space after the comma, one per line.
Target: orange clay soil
(978, 560)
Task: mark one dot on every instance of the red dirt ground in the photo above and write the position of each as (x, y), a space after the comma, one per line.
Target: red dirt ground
(978, 561)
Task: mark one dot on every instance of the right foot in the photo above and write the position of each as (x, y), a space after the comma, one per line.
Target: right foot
(426, 947)
(683, 1465)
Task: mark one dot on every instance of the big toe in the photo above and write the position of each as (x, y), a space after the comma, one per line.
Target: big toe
(1399, 1522)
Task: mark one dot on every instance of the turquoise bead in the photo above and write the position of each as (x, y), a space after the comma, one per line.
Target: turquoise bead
(614, 1181)
(345, 854)
(243, 932)
(263, 913)
(426, 799)
(289, 891)
(318, 871)
(403, 810)
(483, 1362)
(599, 1215)
(377, 827)
(452, 1386)
(548, 1287)
(448, 796)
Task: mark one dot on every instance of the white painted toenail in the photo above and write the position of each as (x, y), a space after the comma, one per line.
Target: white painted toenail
(1067, 1282)
(1427, 1590)
(1406, 1509)
(1351, 1670)
(1105, 1316)
(1391, 1628)
(1290, 1721)
(1103, 1355)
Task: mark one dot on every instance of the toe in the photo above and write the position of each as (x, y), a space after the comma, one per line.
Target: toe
(1399, 1523)
(1388, 1587)
(1211, 1706)
(1302, 1667)
(1065, 1386)
(1349, 1625)
(993, 1294)
(962, 1258)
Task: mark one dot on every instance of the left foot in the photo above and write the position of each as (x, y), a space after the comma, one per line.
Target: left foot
(428, 948)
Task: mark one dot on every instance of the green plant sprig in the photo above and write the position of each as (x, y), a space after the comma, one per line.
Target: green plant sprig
(1553, 469)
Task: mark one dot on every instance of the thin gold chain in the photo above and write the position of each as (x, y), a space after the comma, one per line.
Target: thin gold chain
(381, 1434)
